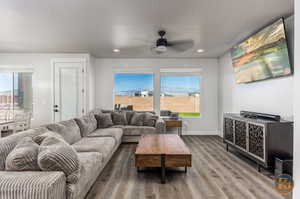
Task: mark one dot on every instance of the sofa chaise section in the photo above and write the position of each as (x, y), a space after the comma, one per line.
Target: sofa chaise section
(131, 133)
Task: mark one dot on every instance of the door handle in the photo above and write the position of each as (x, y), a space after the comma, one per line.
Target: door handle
(55, 110)
(55, 106)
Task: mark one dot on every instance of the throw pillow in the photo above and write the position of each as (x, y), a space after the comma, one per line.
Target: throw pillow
(137, 119)
(68, 129)
(150, 119)
(57, 155)
(119, 118)
(95, 111)
(23, 157)
(104, 120)
(129, 115)
(8, 143)
(40, 138)
(87, 124)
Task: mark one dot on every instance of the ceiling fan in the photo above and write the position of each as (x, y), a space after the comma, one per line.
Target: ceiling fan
(162, 44)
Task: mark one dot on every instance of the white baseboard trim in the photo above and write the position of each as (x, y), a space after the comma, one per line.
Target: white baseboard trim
(201, 133)
(221, 134)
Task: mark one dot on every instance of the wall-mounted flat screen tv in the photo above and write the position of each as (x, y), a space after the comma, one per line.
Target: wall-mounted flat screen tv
(263, 55)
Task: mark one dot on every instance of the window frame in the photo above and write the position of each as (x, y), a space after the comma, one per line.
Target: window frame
(157, 73)
(182, 73)
(21, 69)
(139, 71)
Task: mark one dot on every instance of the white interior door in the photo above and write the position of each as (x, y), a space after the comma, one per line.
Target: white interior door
(68, 90)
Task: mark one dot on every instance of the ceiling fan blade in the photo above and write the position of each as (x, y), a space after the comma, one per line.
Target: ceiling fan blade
(134, 48)
(181, 45)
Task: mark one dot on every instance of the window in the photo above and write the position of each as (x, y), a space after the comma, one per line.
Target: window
(134, 90)
(181, 93)
(15, 94)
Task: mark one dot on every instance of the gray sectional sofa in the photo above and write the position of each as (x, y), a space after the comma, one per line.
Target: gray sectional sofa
(94, 148)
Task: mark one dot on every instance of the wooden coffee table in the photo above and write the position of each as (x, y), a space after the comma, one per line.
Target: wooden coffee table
(162, 150)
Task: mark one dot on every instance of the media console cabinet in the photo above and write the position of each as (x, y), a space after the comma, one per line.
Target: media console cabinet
(260, 140)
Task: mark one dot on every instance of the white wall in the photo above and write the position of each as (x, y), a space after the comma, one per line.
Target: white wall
(42, 80)
(274, 96)
(296, 173)
(207, 124)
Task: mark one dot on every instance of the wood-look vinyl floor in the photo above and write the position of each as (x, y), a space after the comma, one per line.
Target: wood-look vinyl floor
(215, 174)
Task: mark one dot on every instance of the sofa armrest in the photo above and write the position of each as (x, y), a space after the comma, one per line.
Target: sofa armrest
(160, 125)
(32, 185)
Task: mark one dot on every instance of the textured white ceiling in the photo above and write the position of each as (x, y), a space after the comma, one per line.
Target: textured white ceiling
(98, 26)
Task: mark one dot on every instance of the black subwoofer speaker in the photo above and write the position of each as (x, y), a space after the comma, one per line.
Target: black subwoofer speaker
(283, 166)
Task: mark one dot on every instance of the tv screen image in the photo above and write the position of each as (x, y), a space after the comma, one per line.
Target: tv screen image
(263, 55)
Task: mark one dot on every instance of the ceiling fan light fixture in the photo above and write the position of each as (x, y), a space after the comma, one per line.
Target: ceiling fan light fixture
(161, 49)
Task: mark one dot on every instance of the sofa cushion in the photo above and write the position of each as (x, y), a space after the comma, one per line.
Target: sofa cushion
(91, 167)
(40, 138)
(103, 145)
(104, 120)
(119, 118)
(150, 119)
(95, 111)
(7, 144)
(23, 157)
(137, 119)
(109, 132)
(138, 130)
(68, 129)
(57, 155)
(87, 124)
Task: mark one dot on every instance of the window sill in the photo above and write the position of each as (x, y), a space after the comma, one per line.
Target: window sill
(182, 118)
(191, 117)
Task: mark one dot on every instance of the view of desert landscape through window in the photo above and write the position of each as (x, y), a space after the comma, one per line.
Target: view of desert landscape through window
(178, 93)
(15, 94)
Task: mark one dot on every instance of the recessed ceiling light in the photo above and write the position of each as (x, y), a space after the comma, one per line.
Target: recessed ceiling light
(116, 50)
(200, 51)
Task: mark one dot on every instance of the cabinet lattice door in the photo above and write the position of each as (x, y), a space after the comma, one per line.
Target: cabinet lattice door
(256, 140)
(228, 129)
(240, 134)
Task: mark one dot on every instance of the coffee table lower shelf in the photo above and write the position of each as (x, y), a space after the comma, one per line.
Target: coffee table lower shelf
(163, 161)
